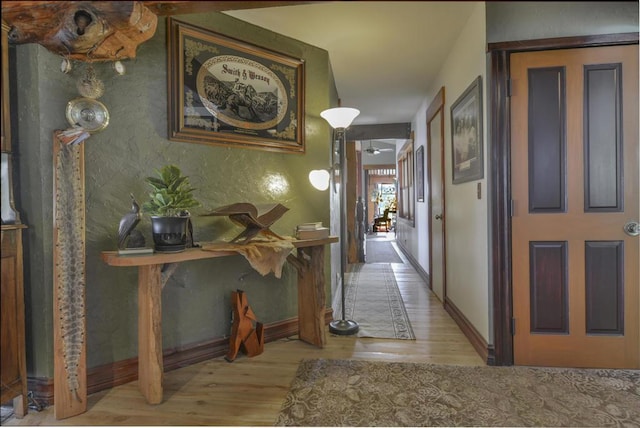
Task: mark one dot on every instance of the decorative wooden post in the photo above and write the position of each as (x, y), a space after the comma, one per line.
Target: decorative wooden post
(69, 324)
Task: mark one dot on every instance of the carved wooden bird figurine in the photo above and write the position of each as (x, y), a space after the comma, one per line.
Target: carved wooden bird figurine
(128, 222)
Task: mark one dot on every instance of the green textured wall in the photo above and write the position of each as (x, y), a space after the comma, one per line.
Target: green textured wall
(196, 299)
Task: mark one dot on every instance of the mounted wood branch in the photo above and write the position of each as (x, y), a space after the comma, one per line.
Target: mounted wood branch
(81, 30)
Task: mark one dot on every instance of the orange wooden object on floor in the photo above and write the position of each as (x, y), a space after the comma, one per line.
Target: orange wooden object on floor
(242, 331)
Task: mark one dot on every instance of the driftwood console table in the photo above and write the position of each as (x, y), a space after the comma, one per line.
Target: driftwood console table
(309, 262)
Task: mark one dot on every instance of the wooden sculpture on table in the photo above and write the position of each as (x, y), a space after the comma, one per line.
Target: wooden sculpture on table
(243, 332)
(254, 218)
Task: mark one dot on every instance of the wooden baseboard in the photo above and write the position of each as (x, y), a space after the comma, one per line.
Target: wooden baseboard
(423, 274)
(491, 359)
(40, 391)
(120, 372)
(486, 352)
(476, 339)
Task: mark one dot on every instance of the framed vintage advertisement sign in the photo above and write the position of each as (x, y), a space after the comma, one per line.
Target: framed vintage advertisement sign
(466, 135)
(226, 92)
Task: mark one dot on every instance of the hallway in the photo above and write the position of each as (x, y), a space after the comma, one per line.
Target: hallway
(380, 248)
(250, 391)
(429, 320)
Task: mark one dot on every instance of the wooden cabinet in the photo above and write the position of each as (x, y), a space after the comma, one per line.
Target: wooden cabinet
(12, 341)
(12, 328)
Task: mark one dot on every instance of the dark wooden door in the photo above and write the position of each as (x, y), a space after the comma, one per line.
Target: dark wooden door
(574, 136)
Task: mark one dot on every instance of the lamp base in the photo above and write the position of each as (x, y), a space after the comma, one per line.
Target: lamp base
(343, 327)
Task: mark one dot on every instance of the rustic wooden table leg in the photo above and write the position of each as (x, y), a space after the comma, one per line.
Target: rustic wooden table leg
(150, 370)
(20, 406)
(311, 296)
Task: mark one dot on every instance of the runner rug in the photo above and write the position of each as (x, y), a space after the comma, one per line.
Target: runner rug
(380, 250)
(373, 300)
(364, 393)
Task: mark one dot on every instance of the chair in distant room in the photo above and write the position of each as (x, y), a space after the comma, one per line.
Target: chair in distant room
(384, 221)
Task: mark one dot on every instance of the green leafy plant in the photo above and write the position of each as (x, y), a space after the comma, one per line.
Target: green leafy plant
(171, 193)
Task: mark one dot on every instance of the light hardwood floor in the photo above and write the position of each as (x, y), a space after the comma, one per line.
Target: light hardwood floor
(250, 391)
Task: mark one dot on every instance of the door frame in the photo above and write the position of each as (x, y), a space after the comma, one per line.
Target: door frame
(436, 106)
(501, 352)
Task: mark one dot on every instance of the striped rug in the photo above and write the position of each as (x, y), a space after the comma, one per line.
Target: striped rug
(373, 300)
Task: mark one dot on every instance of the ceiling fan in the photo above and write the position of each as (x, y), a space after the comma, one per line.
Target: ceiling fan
(375, 150)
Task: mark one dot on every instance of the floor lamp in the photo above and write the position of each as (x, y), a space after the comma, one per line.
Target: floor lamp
(340, 118)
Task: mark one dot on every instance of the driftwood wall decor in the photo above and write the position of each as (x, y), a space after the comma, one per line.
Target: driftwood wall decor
(81, 30)
(103, 30)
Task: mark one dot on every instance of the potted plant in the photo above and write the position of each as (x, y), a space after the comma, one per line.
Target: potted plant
(170, 198)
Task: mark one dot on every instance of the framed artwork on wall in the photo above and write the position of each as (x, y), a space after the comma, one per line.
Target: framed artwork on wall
(420, 174)
(466, 135)
(223, 91)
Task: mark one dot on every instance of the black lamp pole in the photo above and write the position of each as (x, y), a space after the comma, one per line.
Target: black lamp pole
(343, 326)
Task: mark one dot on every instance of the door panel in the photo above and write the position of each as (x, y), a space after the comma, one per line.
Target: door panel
(435, 174)
(575, 183)
(437, 208)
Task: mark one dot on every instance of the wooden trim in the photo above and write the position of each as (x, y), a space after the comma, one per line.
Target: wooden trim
(169, 8)
(385, 166)
(406, 180)
(383, 131)
(500, 171)
(437, 106)
(120, 372)
(13, 226)
(423, 274)
(491, 357)
(500, 183)
(476, 339)
(40, 391)
(565, 42)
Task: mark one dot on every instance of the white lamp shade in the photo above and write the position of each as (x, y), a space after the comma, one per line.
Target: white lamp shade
(340, 117)
(319, 179)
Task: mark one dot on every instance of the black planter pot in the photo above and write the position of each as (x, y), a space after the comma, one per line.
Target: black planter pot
(169, 233)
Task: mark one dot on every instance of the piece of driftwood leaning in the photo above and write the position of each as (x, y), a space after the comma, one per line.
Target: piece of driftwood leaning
(243, 332)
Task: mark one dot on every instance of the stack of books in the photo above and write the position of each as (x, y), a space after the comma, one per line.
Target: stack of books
(312, 231)
(135, 251)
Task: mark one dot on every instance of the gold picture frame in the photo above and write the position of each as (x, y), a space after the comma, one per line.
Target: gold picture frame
(223, 91)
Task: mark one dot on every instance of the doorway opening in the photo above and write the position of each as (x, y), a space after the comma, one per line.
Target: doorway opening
(381, 199)
(380, 220)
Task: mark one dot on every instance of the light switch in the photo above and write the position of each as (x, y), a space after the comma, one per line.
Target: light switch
(479, 190)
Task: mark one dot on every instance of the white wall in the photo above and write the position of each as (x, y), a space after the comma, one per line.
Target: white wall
(418, 238)
(522, 20)
(468, 285)
(466, 216)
